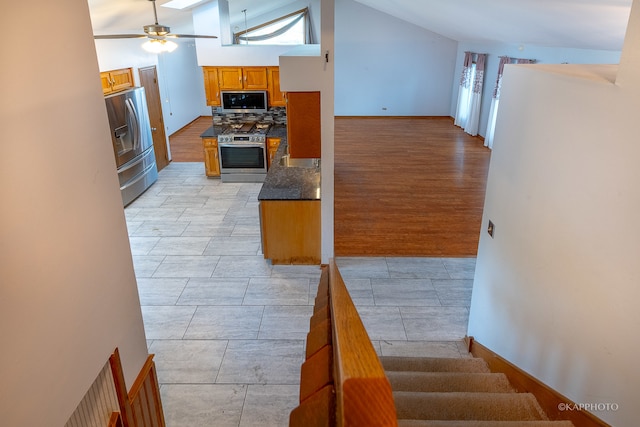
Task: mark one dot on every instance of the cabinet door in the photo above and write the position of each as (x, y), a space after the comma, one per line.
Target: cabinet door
(116, 80)
(121, 79)
(276, 97)
(303, 124)
(230, 78)
(106, 82)
(211, 161)
(290, 231)
(211, 86)
(254, 78)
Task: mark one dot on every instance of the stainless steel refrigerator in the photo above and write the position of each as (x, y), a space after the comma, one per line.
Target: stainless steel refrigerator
(132, 142)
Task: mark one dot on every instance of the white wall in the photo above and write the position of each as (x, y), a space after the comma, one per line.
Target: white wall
(388, 67)
(556, 289)
(68, 293)
(181, 87)
(542, 55)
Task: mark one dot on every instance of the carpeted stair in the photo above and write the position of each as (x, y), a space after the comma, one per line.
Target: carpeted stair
(448, 392)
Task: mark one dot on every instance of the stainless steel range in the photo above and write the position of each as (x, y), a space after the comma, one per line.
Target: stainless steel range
(242, 149)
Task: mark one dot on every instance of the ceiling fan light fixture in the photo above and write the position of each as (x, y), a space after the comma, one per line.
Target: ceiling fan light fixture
(157, 30)
(159, 46)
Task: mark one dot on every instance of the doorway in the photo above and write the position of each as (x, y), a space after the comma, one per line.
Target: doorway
(149, 80)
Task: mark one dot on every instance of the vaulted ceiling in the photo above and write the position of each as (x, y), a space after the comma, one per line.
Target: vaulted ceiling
(583, 24)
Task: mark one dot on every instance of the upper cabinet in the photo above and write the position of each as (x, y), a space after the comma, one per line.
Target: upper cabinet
(242, 78)
(211, 86)
(116, 80)
(230, 78)
(254, 78)
(276, 96)
(303, 124)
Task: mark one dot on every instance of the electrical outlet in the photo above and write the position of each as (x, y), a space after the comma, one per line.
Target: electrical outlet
(491, 228)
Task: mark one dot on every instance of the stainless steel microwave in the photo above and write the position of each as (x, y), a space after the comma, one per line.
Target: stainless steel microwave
(244, 101)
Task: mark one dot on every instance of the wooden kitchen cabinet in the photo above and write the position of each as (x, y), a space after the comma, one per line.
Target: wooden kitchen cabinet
(242, 78)
(211, 86)
(276, 96)
(211, 160)
(116, 80)
(230, 78)
(303, 124)
(254, 78)
(272, 148)
(290, 231)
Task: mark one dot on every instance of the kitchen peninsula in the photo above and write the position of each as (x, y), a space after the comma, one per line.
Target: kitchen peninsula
(290, 211)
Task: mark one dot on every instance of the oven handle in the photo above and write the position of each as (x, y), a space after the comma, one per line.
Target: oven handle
(251, 144)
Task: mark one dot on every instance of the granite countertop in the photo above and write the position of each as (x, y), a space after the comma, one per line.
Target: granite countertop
(212, 132)
(289, 183)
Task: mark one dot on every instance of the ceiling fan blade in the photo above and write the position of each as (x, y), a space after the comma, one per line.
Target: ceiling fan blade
(120, 36)
(191, 36)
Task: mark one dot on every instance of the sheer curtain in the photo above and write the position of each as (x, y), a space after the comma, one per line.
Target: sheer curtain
(462, 109)
(470, 92)
(495, 101)
(475, 98)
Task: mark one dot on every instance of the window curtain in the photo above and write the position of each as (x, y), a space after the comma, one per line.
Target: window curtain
(244, 37)
(470, 92)
(495, 101)
(475, 98)
(464, 91)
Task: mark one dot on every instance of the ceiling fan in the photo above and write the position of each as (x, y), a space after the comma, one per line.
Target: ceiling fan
(157, 34)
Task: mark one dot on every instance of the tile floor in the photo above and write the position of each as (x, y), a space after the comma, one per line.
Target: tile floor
(228, 328)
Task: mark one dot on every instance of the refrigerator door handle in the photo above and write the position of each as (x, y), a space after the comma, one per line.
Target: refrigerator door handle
(136, 123)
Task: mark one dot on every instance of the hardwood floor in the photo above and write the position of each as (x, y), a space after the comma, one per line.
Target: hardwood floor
(186, 144)
(403, 186)
(407, 187)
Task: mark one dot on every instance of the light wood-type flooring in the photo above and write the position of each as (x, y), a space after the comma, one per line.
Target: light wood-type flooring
(408, 187)
(186, 144)
(403, 186)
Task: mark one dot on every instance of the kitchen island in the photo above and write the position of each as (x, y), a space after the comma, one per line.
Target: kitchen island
(290, 211)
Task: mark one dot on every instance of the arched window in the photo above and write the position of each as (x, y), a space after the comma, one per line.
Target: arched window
(292, 29)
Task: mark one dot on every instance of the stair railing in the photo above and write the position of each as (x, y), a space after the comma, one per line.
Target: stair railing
(342, 381)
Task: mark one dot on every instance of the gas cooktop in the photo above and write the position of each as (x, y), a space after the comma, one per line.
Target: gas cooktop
(252, 128)
(243, 133)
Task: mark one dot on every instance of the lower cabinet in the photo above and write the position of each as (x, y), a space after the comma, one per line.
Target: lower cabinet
(211, 161)
(290, 231)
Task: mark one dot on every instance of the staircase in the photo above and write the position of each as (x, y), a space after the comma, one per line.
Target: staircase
(448, 392)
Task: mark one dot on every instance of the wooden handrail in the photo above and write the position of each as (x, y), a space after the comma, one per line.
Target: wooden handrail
(342, 380)
(363, 392)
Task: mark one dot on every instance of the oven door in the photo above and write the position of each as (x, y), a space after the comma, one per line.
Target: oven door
(242, 158)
